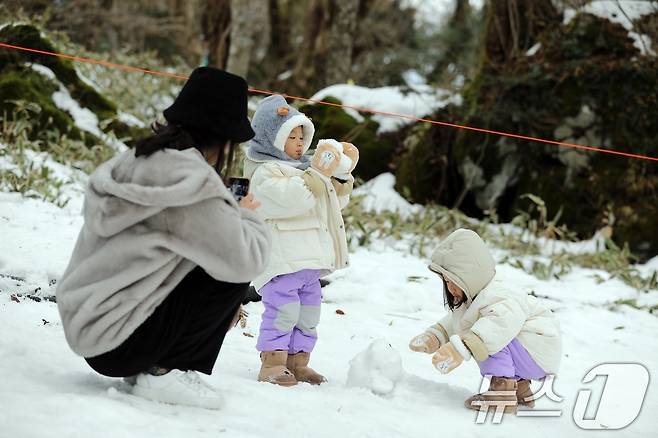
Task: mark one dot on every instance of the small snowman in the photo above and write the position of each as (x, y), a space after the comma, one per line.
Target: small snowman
(378, 368)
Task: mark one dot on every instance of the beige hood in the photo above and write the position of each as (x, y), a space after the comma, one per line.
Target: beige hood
(463, 258)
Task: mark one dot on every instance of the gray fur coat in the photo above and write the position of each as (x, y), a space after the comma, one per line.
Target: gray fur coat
(148, 222)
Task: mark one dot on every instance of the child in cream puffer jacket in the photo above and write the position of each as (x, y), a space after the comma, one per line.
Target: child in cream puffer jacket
(301, 201)
(513, 336)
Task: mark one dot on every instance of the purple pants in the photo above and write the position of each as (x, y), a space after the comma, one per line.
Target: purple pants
(292, 312)
(513, 361)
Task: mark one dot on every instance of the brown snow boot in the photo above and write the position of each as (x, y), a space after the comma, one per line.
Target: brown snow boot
(298, 364)
(524, 393)
(501, 391)
(273, 369)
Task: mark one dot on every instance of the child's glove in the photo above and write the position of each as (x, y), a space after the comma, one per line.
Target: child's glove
(348, 158)
(425, 343)
(451, 355)
(314, 183)
(352, 152)
(326, 158)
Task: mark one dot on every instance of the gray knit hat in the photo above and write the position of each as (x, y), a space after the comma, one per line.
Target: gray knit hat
(273, 121)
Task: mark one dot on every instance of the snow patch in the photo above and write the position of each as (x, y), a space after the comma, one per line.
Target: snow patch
(508, 173)
(435, 14)
(285, 75)
(584, 119)
(83, 118)
(380, 195)
(533, 50)
(43, 70)
(88, 81)
(413, 78)
(650, 267)
(130, 120)
(416, 101)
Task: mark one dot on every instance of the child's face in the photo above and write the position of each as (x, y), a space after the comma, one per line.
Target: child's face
(295, 144)
(454, 290)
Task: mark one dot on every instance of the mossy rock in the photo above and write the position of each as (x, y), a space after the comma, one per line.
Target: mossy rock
(20, 82)
(28, 85)
(589, 81)
(375, 150)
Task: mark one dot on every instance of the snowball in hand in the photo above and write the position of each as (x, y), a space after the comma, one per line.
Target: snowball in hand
(378, 368)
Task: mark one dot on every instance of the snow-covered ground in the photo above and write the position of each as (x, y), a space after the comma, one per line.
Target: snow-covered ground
(47, 391)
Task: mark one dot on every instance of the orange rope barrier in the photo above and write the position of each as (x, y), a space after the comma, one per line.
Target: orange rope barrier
(320, 102)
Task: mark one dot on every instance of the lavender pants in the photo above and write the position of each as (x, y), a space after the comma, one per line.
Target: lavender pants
(292, 312)
(513, 361)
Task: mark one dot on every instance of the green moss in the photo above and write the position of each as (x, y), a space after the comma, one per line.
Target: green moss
(590, 62)
(127, 132)
(30, 36)
(414, 173)
(39, 90)
(587, 37)
(333, 122)
(28, 85)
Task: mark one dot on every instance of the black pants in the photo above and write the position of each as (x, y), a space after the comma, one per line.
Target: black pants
(185, 332)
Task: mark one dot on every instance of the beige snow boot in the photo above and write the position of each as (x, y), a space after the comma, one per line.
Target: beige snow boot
(501, 391)
(273, 369)
(524, 393)
(298, 364)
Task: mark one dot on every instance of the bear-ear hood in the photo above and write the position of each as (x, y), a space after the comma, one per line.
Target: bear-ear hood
(273, 121)
(464, 259)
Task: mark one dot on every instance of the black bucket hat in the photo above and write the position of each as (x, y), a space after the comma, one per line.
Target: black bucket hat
(214, 102)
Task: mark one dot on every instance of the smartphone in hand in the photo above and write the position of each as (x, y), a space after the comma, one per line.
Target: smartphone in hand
(239, 187)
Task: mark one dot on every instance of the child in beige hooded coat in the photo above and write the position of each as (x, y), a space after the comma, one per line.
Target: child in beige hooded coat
(514, 337)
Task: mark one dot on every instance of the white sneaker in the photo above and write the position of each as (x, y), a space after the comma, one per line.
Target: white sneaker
(179, 388)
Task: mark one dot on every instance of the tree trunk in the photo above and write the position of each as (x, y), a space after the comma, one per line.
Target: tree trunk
(341, 41)
(512, 27)
(459, 39)
(280, 29)
(216, 25)
(313, 50)
(246, 17)
(261, 30)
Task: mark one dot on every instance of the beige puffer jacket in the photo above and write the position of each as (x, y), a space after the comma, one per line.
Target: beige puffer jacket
(307, 232)
(492, 315)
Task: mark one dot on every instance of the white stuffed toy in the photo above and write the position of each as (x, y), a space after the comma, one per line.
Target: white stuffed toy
(333, 158)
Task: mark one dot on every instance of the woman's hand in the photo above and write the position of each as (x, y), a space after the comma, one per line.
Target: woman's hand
(249, 202)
